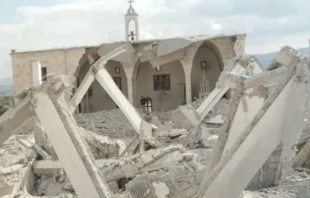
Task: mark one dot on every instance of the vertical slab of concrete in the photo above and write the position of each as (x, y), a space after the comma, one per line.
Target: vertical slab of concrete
(36, 72)
(260, 143)
(14, 118)
(81, 90)
(106, 81)
(215, 96)
(82, 174)
(247, 109)
(292, 130)
(39, 135)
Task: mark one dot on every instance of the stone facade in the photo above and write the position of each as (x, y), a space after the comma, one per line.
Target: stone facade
(58, 62)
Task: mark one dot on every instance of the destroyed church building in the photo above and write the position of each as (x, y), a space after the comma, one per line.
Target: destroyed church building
(235, 141)
(171, 72)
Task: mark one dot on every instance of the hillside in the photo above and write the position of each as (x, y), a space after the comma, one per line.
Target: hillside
(266, 59)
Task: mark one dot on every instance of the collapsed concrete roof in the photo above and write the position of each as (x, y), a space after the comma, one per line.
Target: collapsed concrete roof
(163, 49)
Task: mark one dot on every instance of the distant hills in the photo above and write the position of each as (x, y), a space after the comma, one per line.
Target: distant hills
(266, 59)
(6, 84)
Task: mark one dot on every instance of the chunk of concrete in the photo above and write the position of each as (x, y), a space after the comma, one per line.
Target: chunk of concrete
(286, 55)
(114, 187)
(53, 189)
(161, 189)
(6, 190)
(185, 117)
(169, 159)
(47, 167)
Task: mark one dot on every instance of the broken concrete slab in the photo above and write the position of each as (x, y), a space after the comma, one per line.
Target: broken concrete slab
(185, 117)
(14, 118)
(265, 136)
(75, 158)
(47, 167)
(286, 55)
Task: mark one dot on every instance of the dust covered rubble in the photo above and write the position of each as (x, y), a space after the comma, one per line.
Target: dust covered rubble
(165, 172)
(115, 125)
(295, 186)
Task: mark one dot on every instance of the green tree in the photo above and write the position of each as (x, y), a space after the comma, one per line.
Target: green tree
(4, 104)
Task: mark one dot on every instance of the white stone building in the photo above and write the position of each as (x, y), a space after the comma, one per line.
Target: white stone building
(169, 71)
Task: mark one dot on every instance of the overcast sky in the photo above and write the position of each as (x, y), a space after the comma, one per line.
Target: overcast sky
(41, 24)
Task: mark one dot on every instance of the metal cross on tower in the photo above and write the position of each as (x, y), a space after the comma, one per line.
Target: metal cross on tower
(130, 2)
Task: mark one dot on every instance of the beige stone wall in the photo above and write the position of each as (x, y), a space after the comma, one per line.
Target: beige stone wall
(144, 85)
(61, 61)
(225, 46)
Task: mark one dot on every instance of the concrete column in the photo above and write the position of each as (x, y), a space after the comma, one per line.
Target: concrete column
(108, 84)
(217, 93)
(188, 88)
(39, 136)
(14, 118)
(129, 68)
(130, 89)
(89, 78)
(261, 142)
(187, 64)
(68, 143)
(82, 90)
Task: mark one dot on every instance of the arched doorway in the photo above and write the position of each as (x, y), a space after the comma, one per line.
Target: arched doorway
(208, 55)
(96, 99)
(149, 83)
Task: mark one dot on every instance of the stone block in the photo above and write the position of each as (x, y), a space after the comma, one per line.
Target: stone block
(47, 167)
(147, 158)
(286, 56)
(129, 170)
(6, 190)
(185, 117)
(113, 187)
(169, 159)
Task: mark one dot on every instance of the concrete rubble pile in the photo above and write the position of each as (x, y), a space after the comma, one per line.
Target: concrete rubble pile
(249, 138)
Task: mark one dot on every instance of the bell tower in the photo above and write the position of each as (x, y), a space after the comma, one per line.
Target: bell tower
(131, 16)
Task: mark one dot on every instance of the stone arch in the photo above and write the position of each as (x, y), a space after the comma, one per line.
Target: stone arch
(210, 53)
(96, 99)
(162, 100)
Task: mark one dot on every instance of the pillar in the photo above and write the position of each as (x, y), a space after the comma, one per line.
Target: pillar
(130, 89)
(187, 64)
(128, 69)
(188, 88)
(36, 72)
